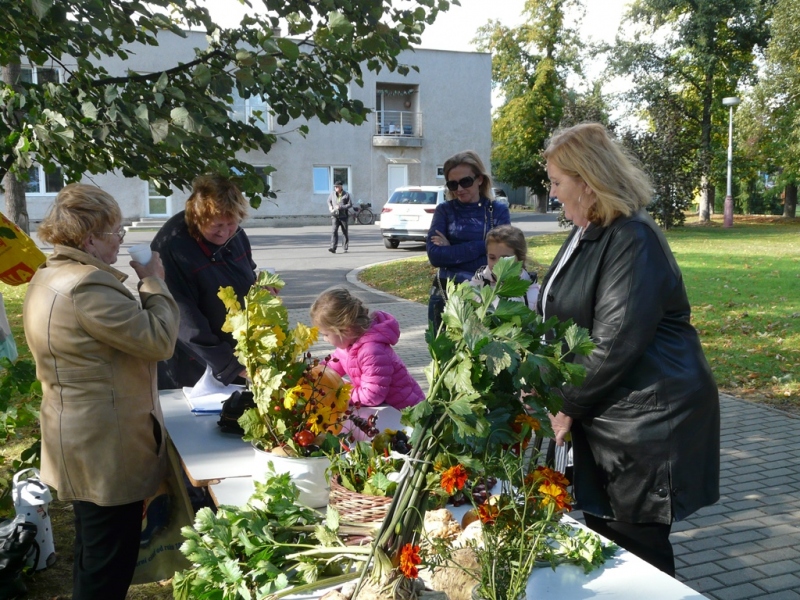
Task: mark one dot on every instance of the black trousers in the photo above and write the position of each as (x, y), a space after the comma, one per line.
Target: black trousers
(648, 541)
(337, 223)
(106, 549)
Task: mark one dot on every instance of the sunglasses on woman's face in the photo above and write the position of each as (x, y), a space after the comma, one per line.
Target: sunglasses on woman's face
(464, 182)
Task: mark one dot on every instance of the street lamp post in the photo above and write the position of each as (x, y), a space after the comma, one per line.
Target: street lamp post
(727, 220)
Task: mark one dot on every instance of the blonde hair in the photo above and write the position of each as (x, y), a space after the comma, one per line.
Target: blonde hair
(213, 196)
(513, 238)
(340, 312)
(473, 161)
(79, 210)
(589, 153)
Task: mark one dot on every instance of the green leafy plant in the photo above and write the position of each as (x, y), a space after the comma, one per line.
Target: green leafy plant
(300, 405)
(20, 397)
(272, 547)
(521, 527)
(372, 468)
(493, 380)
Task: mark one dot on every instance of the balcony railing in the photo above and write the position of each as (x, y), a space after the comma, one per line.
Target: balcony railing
(398, 122)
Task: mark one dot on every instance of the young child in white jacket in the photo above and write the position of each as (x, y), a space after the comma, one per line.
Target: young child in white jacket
(501, 242)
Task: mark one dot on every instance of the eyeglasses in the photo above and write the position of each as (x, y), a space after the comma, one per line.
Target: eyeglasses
(464, 182)
(121, 233)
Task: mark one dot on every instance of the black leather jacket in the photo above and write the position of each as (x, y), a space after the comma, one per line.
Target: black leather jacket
(646, 418)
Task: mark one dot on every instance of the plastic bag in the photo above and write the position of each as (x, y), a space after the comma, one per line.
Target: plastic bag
(19, 256)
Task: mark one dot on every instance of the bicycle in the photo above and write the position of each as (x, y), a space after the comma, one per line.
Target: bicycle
(361, 214)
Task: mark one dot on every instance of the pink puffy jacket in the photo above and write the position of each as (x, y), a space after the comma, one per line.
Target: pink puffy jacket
(378, 375)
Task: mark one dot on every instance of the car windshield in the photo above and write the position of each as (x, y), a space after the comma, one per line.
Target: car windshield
(413, 197)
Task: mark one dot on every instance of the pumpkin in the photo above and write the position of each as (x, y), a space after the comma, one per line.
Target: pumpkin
(328, 399)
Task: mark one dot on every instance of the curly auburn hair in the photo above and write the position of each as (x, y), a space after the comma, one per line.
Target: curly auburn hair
(213, 196)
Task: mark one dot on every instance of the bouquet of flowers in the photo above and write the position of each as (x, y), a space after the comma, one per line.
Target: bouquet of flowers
(495, 375)
(300, 404)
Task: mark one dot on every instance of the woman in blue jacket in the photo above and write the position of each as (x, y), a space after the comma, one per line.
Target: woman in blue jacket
(457, 238)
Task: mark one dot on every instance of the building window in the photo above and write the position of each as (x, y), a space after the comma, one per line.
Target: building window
(265, 177)
(38, 75)
(440, 172)
(243, 109)
(157, 203)
(325, 176)
(40, 182)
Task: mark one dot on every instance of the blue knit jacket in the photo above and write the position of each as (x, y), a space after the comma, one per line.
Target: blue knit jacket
(466, 226)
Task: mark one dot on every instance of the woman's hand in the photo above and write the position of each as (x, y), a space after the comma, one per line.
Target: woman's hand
(153, 268)
(561, 425)
(440, 239)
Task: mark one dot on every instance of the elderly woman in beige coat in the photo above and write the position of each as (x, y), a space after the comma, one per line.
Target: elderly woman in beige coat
(96, 344)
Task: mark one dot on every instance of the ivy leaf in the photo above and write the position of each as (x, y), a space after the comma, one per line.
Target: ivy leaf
(578, 340)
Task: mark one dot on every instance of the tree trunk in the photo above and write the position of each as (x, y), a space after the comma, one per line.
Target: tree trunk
(706, 200)
(790, 202)
(16, 207)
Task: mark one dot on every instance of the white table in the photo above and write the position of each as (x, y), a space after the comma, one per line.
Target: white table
(207, 453)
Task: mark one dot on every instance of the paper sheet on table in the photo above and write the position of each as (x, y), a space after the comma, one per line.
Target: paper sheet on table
(208, 394)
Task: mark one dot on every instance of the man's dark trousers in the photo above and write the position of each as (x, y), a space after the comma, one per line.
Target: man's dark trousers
(337, 223)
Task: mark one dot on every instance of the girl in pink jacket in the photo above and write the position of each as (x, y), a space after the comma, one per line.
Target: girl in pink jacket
(364, 350)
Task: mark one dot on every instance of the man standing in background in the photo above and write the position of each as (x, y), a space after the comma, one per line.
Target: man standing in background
(339, 205)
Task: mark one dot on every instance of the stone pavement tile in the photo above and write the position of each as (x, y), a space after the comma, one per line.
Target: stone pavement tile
(775, 520)
(741, 537)
(740, 505)
(713, 542)
(711, 520)
(782, 529)
(781, 541)
(744, 515)
(703, 585)
(746, 591)
(782, 595)
(691, 532)
(707, 556)
(701, 571)
(787, 512)
(739, 576)
(779, 554)
(738, 562)
(780, 567)
(731, 550)
(787, 581)
(745, 486)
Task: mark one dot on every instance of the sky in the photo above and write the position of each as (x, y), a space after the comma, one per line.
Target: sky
(455, 29)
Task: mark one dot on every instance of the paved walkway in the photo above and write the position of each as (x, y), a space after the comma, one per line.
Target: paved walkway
(745, 546)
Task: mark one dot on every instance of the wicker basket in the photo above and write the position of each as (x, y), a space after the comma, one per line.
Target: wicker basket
(355, 507)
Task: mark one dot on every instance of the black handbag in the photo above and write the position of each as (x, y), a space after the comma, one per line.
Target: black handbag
(17, 546)
(232, 409)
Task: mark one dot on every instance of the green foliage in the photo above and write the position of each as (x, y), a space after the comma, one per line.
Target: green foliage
(689, 55)
(367, 467)
(20, 397)
(530, 65)
(263, 548)
(492, 380)
(170, 125)
(295, 401)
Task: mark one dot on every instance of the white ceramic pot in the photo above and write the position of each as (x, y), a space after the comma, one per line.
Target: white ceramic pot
(308, 474)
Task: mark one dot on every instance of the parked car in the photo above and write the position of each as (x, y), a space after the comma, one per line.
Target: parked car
(500, 195)
(407, 215)
(553, 204)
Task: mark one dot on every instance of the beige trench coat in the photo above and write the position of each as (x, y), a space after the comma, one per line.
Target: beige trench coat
(96, 346)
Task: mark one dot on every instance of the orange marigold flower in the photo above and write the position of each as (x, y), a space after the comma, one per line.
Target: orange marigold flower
(488, 513)
(409, 559)
(454, 479)
(545, 474)
(555, 494)
(528, 420)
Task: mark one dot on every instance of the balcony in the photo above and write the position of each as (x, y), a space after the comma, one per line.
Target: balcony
(398, 128)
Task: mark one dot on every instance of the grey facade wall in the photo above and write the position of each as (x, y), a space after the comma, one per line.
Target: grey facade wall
(453, 99)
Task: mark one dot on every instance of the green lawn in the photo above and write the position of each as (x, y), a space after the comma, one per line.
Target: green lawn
(742, 283)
